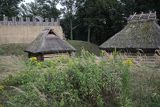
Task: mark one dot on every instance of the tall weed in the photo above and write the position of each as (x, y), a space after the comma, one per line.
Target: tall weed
(83, 81)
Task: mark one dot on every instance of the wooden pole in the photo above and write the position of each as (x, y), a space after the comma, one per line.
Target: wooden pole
(71, 24)
(71, 29)
(89, 33)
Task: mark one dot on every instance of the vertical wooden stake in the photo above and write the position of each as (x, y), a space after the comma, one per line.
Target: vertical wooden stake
(89, 33)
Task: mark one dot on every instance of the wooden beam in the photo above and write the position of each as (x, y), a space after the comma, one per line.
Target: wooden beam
(141, 15)
(133, 15)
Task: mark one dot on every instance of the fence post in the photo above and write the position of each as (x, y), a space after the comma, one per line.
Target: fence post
(34, 21)
(13, 20)
(5, 20)
(27, 20)
(52, 21)
(57, 22)
(46, 21)
(21, 20)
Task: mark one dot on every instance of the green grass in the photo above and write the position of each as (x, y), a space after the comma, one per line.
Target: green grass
(145, 86)
(12, 49)
(18, 48)
(92, 48)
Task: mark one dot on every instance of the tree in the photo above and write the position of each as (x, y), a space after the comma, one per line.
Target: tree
(102, 18)
(43, 8)
(9, 8)
(69, 10)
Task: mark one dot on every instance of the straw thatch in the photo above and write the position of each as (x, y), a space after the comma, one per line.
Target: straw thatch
(140, 33)
(49, 42)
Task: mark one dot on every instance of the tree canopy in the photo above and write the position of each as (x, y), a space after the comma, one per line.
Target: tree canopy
(43, 8)
(9, 8)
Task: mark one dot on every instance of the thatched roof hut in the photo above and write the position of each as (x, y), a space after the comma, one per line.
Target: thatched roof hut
(49, 42)
(141, 33)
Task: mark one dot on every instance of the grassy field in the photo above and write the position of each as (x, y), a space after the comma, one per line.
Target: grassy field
(83, 81)
(92, 48)
(18, 49)
(13, 49)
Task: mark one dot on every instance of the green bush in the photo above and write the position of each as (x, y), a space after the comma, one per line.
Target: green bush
(83, 81)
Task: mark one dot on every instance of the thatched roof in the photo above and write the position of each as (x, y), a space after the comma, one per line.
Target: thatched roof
(48, 41)
(139, 33)
(58, 31)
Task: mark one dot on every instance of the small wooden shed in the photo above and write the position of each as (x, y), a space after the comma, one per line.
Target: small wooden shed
(48, 44)
(141, 33)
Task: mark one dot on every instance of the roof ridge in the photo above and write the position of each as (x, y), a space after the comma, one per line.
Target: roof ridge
(142, 17)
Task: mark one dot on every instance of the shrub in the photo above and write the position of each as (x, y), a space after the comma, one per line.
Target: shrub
(84, 81)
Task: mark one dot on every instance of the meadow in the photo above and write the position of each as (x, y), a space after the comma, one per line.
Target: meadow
(82, 81)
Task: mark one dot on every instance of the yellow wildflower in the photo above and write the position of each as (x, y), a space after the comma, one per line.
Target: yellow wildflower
(128, 62)
(110, 58)
(1, 88)
(39, 64)
(33, 59)
(103, 53)
(1, 105)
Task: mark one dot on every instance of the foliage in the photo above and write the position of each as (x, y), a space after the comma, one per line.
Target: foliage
(43, 8)
(102, 16)
(83, 81)
(9, 8)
